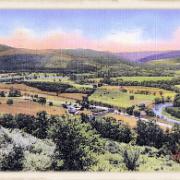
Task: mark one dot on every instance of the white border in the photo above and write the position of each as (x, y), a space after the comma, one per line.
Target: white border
(87, 4)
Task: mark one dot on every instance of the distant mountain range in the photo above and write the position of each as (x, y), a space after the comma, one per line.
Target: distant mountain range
(149, 56)
(19, 58)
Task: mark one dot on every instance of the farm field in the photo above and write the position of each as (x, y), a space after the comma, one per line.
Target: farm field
(172, 61)
(138, 78)
(28, 107)
(50, 95)
(112, 95)
(60, 79)
(144, 78)
(178, 86)
(131, 121)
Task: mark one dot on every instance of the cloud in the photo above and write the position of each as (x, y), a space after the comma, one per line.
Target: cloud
(128, 37)
(116, 41)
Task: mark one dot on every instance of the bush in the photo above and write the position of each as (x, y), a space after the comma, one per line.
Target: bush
(9, 102)
(14, 93)
(13, 161)
(131, 97)
(177, 101)
(41, 100)
(109, 127)
(2, 94)
(75, 144)
(174, 111)
(131, 158)
(50, 103)
(150, 134)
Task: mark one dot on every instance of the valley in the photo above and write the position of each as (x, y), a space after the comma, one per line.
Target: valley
(50, 89)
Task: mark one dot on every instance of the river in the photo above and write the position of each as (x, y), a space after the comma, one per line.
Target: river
(158, 110)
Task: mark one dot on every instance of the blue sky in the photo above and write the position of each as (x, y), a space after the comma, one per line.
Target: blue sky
(93, 24)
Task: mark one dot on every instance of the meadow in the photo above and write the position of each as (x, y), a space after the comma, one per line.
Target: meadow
(112, 95)
(144, 78)
(137, 78)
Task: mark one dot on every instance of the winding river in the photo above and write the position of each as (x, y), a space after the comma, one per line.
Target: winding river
(158, 110)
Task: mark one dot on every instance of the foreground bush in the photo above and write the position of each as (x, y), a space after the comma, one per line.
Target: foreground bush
(76, 144)
(111, 128)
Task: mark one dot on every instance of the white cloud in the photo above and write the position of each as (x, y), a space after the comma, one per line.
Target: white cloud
(133, 36)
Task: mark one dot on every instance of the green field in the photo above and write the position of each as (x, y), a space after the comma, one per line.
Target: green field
(64, 80)
(164, 112)
(144, 78)
(111, 95)
(178, 86)
(138, 78)
(172, 61)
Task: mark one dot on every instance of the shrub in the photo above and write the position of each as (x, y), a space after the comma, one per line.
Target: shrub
(75, 144)
(9, 102)
(131, 97)
(13, 161)
(131, 159)
(150, 134)
(50, 103)
(109, 127)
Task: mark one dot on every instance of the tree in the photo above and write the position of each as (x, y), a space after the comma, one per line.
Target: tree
(13, 161)
(41, 125)
(150, 134)
(14, 93)
(75, 144)
(131, 158)
(131, 97)
(136, 113)
(176, 102)
(109, 127)
(2, 94)
(42, 100)
(174, 139)
(9, 102)
(130, 110)
(50, 103)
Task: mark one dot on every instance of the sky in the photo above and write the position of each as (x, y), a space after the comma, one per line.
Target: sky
(104, 30)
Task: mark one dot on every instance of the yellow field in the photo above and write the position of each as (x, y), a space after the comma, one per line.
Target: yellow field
(28, 107)
(50, 95)
(131, 121)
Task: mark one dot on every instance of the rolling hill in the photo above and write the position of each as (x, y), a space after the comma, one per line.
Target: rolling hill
(71, 59)
(80, 59)
(165, 57)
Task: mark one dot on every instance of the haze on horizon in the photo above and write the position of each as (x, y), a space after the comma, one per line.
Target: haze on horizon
(104, 30)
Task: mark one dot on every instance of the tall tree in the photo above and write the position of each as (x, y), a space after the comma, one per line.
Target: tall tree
(75, 144)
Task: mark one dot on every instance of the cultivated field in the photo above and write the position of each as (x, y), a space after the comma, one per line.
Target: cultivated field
(49, 95)
(28, 107)
(113, 95)
(144, 78)
(137, 78)
(130, 120)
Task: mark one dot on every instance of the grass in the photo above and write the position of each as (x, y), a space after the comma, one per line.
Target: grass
(165, 113)
(28, 107)
(131, 121)
(148, 161)
(144, 78)
(138, 78)
(166, 62)
(64, 80)
(178, 86)
(113, 96)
